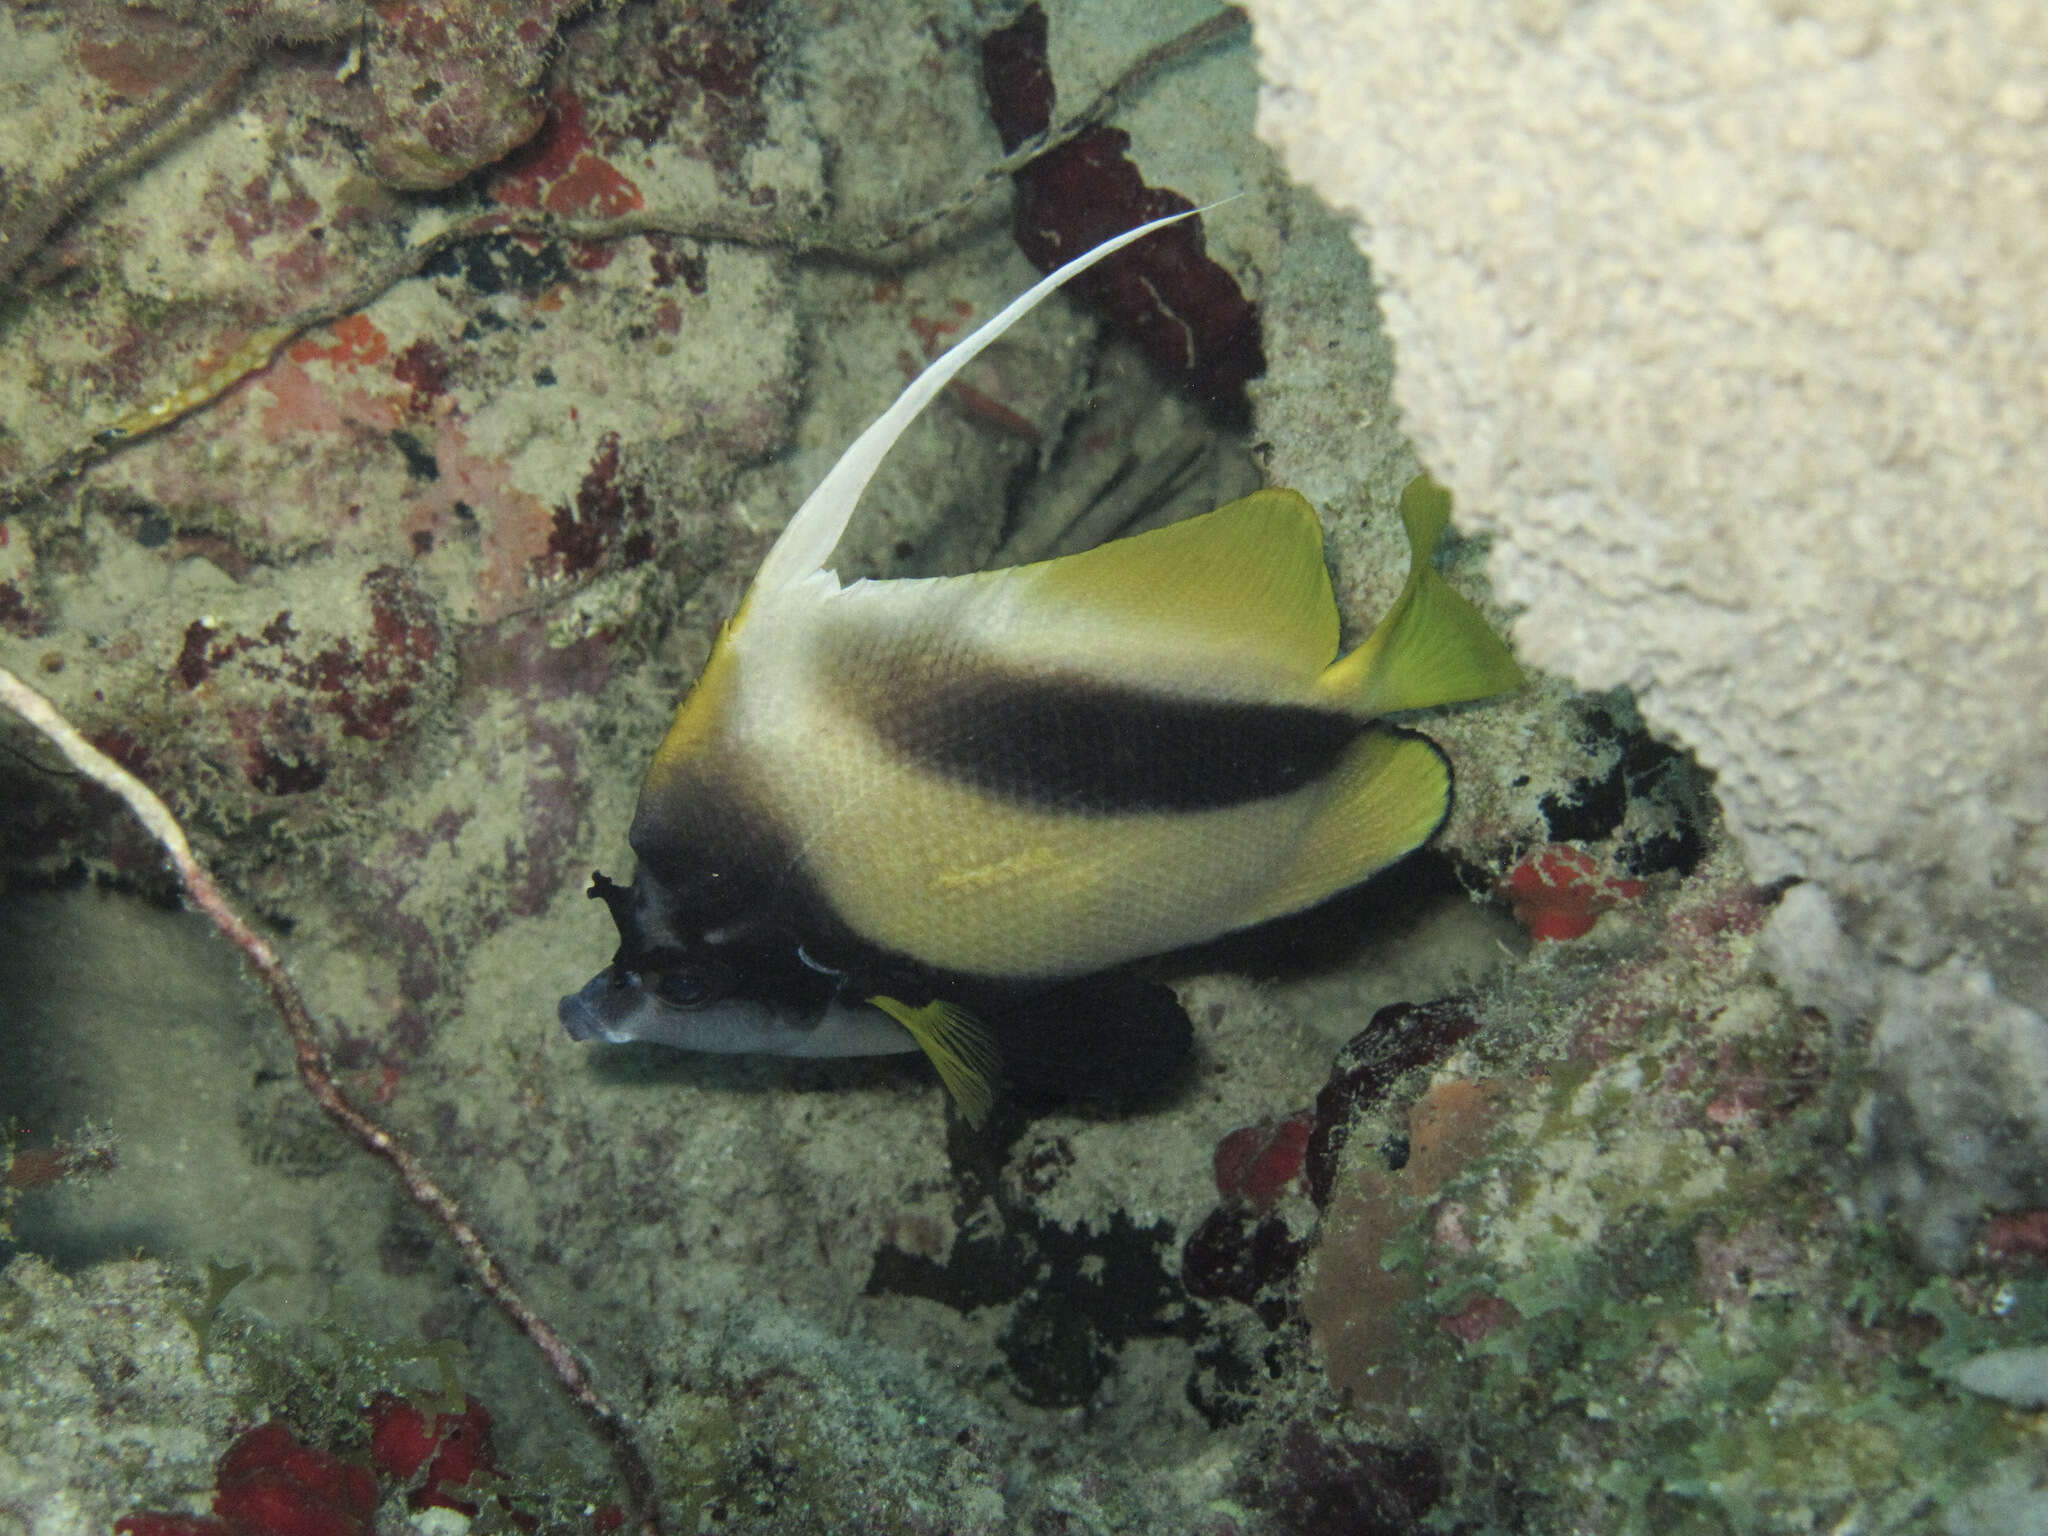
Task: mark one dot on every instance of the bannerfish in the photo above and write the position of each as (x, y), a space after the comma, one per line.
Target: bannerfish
(946, 814)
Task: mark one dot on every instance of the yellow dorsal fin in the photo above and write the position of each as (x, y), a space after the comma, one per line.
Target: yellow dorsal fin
(959, 1045)
(704, 712)
(1432, 647)
(1388, 795)
(1248, 580)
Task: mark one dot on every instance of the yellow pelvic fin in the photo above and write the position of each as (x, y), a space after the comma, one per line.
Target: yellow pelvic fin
(1432, 647)
(959, 1045)
(1389, 794)
(1247, 579)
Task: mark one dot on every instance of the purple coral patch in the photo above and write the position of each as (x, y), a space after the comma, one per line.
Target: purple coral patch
(367, 685)
(17, 617)
(1236, 1253)
(1344, 1487)
(1400, 1038)
(604, 508)
(1164, 294)
(1018, 79)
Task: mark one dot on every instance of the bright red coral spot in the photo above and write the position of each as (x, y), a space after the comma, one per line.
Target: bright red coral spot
(560, 171)
(271, 1485)
(1559, 891)
(546, 155)
(153, 1523)
(1257, 1163)
(357, 343)
(449, 1450)
(595, 188)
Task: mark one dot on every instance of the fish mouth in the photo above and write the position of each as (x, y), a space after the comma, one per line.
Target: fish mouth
(592, 1013)
(577, 1017)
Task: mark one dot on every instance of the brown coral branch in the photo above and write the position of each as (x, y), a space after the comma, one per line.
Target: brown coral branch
(485, 1270)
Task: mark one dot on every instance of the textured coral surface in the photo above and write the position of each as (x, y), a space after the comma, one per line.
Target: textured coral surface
(1725, 319)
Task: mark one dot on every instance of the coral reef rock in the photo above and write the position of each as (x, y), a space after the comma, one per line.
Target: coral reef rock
(1721, 319)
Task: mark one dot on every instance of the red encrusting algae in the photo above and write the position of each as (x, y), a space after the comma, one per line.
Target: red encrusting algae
(270, 1483)
(1257, 1163)
(431, 1456)
(1559, 891)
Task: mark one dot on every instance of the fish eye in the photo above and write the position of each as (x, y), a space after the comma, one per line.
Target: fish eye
(692, 985)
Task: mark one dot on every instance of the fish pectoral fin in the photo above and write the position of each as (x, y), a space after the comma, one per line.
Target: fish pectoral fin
(959, 1045)
(1432, 647)
(1385, 799)
(1247, 581)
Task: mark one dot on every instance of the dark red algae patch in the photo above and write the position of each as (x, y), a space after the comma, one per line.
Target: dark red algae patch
(1344, 1487)
(1018, 78)
(269, 1482)
(1238, 1254)
(404, 641)
(693, 76)
(17, 616)
(366, 687)
(1164, 294)
(603, 511)
(1400, 1038)
(424, 367)
(287, 705)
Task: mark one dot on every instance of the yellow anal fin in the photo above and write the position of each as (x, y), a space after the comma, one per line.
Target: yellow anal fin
(1248, 579)
(959, 1045)
(1432, 647)
(1386, 798)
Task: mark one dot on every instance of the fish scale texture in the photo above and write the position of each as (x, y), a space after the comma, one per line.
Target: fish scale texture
(1724, 320)
(933, 865)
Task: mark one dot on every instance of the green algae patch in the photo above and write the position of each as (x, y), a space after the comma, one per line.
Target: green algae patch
(1646, 1306)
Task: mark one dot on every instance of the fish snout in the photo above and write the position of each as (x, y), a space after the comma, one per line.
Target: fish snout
(604, 1007)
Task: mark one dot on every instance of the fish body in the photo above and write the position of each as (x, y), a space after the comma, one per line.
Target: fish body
(943, 813)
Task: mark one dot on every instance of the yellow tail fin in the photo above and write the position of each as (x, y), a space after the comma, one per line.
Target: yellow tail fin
(1432, 647)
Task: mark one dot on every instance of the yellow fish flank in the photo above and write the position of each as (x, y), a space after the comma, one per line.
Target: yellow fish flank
(943, 814)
